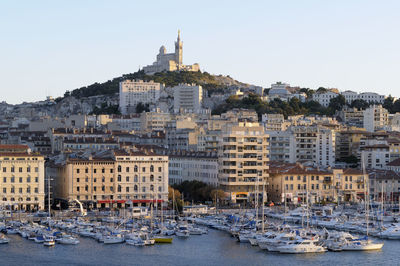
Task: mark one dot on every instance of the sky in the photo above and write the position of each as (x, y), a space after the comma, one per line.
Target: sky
(49, 47)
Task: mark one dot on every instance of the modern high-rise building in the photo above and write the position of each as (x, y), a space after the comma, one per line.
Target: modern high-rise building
(375, 117)
(188, 98)
(133, 92)
(243, 160)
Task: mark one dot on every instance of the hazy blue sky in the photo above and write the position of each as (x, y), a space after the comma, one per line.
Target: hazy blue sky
(48, 47)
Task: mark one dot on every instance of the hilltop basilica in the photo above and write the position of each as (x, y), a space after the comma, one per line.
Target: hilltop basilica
(170, 62)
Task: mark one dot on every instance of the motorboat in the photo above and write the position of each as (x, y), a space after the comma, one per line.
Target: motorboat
(135, 242)
(114, 239)
(49, 241)
(162, 239)
(68, 240)
(304, 246)
(361, 244)
(183, 231)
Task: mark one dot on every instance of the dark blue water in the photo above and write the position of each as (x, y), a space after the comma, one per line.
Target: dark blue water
(216, 248)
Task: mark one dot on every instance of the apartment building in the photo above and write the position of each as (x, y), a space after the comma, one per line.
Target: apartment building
(243, 160)
(191, 166)
(188, 98)
(315, 144)
(132, 92)
(294, 182)
(274, 122)
(282, 146)
(375, 118)
(352, 116)
(155, 120)
(117, 179)
(22, 178)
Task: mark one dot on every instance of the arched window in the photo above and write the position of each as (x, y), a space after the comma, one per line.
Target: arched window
(119, 168)
(151, 168)
(135, 169)
(135, 188)
(151, 188)
(151, 178)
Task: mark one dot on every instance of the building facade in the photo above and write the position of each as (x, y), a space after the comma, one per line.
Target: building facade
(22, 179)
(243, 160)
(170, 62)
(120, 180)
(133, 92)
(188, 98)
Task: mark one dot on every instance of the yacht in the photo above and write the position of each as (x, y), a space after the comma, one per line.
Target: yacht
(361, 244)
(49, 241)
(68, 240)
(304, 246)
(182, 231)
(114, 239)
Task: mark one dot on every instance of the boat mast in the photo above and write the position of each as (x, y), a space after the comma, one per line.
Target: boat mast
(262, 205)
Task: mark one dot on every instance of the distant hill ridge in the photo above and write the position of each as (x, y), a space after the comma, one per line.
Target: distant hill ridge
(170, 79)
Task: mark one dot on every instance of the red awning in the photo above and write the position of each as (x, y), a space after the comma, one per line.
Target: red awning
(133, 201)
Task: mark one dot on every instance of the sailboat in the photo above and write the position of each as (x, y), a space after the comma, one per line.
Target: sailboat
(363, 244)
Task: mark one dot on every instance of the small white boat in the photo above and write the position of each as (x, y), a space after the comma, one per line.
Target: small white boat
(114, 239)
(305, 246)
(4, 239)
(49, 241)
(68, 240)
(183, 231)
(135, 242)
(362, 244)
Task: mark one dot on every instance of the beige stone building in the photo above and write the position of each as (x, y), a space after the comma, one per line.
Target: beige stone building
(295, 181)
(171, 61)
(116, 180)
(243, 160)
(22, 178)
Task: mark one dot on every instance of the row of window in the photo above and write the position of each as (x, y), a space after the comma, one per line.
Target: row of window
(20, 190)
(20, 199)
(20, 179)
(127, 169)
(103, 188)
(20, 169)
(119, 179)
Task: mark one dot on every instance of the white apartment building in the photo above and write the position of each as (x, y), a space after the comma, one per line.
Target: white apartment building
(188, 98)
(243, 160)
(132, 92)
(314, 144)
(190, 166)
(324, 98)
(375, 118)
(371, 97)
(282, 146)
(274, 122)
(375, 156)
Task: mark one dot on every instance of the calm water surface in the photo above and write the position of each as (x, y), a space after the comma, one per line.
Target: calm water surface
(216, 248)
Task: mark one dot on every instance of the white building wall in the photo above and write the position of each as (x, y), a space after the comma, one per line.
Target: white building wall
(132, 92)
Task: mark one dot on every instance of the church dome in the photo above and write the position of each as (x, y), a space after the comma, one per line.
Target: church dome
(163, 50)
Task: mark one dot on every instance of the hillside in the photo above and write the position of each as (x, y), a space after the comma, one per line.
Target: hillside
(211, 83)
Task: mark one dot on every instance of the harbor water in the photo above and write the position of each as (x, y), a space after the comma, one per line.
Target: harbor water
(215, 248)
